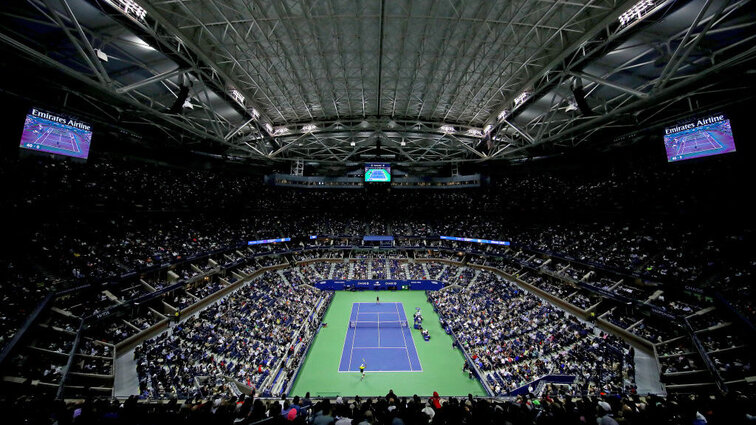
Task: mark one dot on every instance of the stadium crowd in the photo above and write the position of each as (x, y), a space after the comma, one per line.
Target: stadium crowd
(516, 338)
(734, 409)
(242, 337)
(501, 379)
(123, 216)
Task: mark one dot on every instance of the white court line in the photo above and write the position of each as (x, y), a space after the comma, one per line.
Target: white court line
(45, 134)
(351, 349)
(381, 371)
(413, 344)
(346, 338)
(74, 146)
(409, 360)
(354, 336)
(60, 139)
(373, 348)
(52, 132)
(406, 347)
(714, 143)
(57, 142)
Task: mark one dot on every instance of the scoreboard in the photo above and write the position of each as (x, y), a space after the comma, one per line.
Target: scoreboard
(378, 172)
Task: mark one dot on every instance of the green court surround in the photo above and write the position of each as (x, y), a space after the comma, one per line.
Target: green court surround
(442, 365)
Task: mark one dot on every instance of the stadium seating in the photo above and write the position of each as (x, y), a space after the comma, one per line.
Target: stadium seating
(138, 258)
(243, 337)
(517, 339)
(523, 410)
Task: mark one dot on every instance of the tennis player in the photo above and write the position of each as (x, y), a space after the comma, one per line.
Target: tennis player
(362, 369)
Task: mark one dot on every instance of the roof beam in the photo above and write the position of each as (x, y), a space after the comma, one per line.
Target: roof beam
(107, 90)
(640, 103)
(150, 80)
(85, 41)
(89, 58)
(610, 18)
(381, 22)
(520, 132)
(204, 58)
(467, 147)
(607, 83)
(678, 57)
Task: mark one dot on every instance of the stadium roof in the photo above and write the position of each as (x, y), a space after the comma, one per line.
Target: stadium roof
(410, 81)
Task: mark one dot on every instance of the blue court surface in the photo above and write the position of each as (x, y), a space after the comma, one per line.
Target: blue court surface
(378, 333)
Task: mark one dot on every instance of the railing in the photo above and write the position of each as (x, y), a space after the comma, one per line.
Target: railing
(160, 326)
(541, 384)
(69, 362)
(705, 357)
(729, 307)
(469, 360)
(30, 320)
(306, 349)
(229, 248)
(304, 328)
(42, 306)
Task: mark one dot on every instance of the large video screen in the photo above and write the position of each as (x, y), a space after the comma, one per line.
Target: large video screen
(57, 134)
(703, 137)
(378, 173)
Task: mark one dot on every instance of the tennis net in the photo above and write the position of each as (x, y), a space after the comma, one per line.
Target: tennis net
(376, 324)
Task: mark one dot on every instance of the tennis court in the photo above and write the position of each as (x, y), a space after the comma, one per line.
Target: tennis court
(48, 136)
(707, 140)
(697, 142)
(59, 139)
(379, 335)
(441, 364)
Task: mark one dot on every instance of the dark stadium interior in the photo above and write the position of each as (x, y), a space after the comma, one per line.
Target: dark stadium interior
(195, 264)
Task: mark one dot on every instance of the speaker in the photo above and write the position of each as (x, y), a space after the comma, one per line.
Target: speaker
(579, 95)
(485, 144)
(178, 105)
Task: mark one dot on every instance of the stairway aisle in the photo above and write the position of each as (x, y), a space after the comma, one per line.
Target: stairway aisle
(647, 374)
(126, 379)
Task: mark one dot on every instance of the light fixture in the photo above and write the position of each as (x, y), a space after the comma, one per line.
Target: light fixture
(237, 96)
(308, 128)
(474, 132)
(446, 128)
(101, 55)
(269, 128)
(519, 100)
(352, 144)
(637, 12)
(487, 129)
(503, 114)
(131, 8)
(403, 143)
